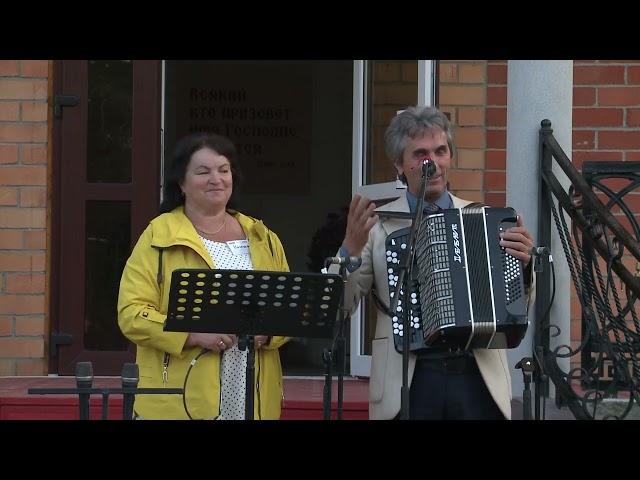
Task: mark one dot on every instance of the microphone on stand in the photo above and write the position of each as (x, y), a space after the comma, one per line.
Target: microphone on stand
(130, 378)
(538, 251)
(346, 261)
(428, 167)
(84, 379)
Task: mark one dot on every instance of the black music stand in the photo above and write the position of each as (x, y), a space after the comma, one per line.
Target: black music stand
(249, 303)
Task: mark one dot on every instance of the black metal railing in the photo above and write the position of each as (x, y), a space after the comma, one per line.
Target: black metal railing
(606, 382)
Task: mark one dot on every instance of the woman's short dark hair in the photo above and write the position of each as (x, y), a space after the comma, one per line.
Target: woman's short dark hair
(185, 148)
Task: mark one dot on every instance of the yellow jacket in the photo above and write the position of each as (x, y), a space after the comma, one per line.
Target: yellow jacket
(168, 243)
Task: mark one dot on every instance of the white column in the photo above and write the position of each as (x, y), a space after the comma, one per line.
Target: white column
(538, 89)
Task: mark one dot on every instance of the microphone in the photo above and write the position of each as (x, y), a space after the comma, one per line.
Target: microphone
(84, 379)
(347, 261)
(130, 378)
(428, 167)
(538, 251)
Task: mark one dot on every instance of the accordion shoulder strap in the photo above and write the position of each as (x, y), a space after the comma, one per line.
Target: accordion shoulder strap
(475, 205)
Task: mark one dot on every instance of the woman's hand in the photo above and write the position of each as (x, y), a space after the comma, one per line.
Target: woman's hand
(260, 340)
(217, 342)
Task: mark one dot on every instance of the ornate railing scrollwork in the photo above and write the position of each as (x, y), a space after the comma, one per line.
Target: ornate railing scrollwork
(604, 380)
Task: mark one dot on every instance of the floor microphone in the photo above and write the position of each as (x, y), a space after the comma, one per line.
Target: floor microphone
(84, 379)
(130, 378)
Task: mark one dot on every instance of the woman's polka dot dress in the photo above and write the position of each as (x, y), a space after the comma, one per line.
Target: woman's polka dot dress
(232, 255)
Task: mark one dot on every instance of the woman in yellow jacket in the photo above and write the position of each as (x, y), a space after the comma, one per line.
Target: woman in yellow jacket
(198, 229)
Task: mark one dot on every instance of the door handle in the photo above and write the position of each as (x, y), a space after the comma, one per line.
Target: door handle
(60, 101)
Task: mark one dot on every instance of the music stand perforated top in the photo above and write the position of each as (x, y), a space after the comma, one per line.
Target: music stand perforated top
(250, 302)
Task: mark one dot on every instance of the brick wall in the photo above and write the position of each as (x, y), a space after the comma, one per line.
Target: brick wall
(23, 222)
(606, 110)
(462, 94)
(496, 153)
(394, 87)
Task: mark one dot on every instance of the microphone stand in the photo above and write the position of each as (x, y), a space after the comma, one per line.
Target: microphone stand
(340, 342)
(540, 379)
(327, 359)
(403, 280)
(338, 347)
(251, 365)
(246, 342)
(533, 367)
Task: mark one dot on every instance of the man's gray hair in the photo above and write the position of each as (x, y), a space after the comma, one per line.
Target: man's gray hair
(411, 123)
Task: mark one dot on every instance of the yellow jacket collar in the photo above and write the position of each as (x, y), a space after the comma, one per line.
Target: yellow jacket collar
(174, 228)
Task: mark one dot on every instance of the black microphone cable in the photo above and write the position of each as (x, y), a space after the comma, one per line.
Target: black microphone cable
(186, 378)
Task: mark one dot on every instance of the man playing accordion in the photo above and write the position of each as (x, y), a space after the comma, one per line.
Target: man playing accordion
(472, 383)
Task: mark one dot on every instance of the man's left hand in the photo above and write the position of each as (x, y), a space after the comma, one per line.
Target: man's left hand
(518, 241)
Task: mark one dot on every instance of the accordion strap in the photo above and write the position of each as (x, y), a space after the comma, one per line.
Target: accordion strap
(474, 205)
(379, 303)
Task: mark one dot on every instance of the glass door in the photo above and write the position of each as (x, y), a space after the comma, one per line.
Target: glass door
(380, 89)
(292, 124)
(106, 151)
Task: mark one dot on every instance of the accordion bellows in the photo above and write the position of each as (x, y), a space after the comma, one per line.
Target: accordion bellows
(465, 291)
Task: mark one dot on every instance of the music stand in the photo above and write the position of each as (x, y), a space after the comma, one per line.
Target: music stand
(249, 303)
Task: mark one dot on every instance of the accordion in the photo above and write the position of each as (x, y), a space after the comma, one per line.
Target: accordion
(465, 291)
